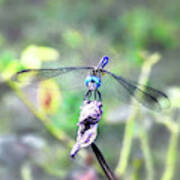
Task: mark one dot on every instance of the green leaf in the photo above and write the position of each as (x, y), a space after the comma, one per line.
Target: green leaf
(33, 55)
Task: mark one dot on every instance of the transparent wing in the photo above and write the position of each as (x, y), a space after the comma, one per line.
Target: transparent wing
(44, 74)
(147, 96)
(69, 80)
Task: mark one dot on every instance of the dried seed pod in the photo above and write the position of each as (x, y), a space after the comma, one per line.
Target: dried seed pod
(90, 115)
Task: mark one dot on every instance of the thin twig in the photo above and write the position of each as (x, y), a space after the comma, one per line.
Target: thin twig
(102, 162)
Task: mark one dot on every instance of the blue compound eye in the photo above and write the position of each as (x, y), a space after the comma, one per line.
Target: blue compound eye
(93, 79)
(88, 79)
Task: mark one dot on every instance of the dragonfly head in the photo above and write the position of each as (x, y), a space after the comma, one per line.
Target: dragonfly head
(93, 82)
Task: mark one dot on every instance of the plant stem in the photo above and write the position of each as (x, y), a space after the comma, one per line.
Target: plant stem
(147, 154)
(26, 172)
(128, 137)
(172, 150)
(58, 133)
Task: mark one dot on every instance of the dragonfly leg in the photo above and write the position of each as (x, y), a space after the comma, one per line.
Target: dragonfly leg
(88, 95)
(97, 93)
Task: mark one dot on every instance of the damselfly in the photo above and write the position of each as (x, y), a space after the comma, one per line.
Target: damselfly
(146, 95)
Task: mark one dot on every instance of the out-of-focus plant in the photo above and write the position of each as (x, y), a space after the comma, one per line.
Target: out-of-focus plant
(142, 135)
(142, 29)
(33, 56)
(130, 126)
(73, 38)
(85, 30)
(50, 97)
(49, 106)
(8, 65)
(172, 125)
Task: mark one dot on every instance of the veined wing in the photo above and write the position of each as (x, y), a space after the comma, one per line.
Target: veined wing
(44, 74)
(146, 95)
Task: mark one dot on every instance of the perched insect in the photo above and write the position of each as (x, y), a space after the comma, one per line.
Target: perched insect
(146, 95)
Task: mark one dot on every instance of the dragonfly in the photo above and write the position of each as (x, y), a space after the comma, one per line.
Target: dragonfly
(145, 95)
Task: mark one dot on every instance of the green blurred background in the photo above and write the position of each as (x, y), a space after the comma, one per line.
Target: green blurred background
(37, 133)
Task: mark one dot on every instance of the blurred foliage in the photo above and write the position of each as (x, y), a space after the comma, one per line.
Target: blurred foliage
(37, 54)
(47, 102)
(45, 33)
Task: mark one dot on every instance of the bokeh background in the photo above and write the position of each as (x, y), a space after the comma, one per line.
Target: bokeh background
(38, 121)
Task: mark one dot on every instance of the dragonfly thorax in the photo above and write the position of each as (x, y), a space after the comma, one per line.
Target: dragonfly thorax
(92, 82)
